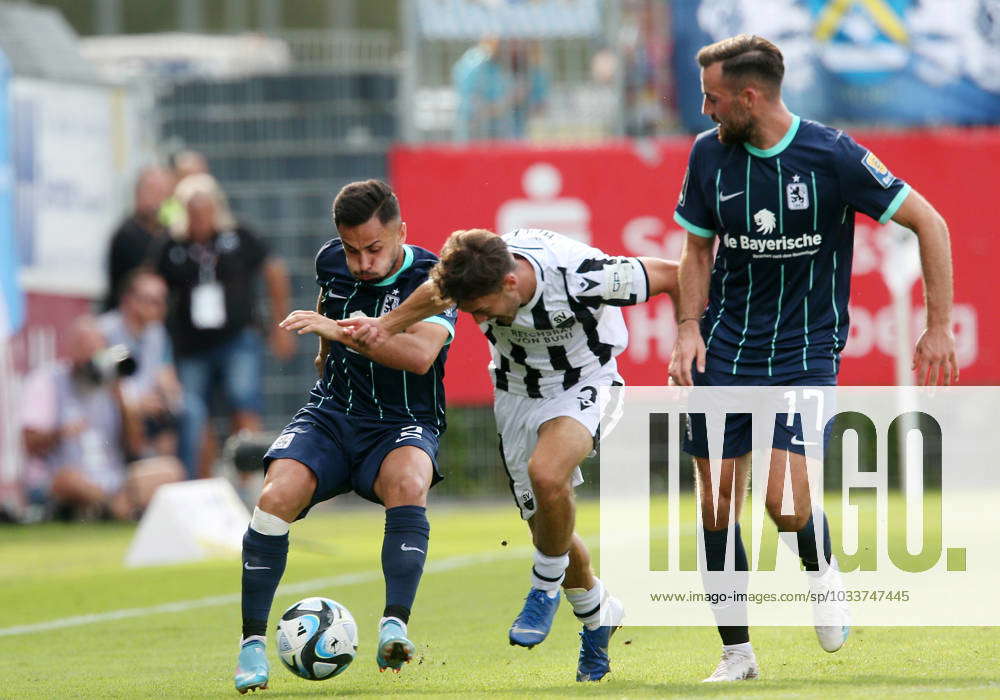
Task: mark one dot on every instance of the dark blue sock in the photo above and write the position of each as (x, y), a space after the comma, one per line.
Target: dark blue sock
(806, 538)
(715, 560)
(264, 558)
(404, 550)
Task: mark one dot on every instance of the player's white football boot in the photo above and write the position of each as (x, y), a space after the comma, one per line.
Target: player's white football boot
(735, 665)
(251, 667)
(831, 615)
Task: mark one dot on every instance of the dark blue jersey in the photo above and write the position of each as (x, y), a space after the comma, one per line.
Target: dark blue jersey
(351, 383)
(785, 218)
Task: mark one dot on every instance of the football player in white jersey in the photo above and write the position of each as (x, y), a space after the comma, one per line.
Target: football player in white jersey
(548, 306)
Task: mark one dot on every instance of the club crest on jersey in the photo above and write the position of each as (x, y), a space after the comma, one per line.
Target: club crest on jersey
(562, 319)
(765, 221)
(390, 302)
(797, 195)
(528, 500)
(878, 170)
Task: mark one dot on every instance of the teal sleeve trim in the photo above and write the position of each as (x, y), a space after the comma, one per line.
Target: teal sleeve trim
(696, 230)
(447, 325)
(895, 204)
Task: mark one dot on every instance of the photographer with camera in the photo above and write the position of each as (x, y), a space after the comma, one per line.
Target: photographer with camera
(78, 428)
(153, 393)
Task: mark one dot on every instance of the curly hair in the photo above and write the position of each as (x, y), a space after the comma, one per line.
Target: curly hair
(473, 264)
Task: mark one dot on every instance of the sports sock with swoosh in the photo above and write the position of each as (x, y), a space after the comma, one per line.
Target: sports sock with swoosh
(404, 551)
(264, 558)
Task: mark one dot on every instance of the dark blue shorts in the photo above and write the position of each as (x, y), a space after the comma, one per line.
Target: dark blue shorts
(738, 439)
(345, 453)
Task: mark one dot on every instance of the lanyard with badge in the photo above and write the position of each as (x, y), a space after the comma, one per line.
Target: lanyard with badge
(208, 298)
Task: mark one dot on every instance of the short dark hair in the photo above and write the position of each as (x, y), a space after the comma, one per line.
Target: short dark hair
(359, 201)
(746, 56)
(473, 264)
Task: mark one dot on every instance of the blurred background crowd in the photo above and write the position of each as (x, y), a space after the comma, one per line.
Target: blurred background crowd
(167, 170)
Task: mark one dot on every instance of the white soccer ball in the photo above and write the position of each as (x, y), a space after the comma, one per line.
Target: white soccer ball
(317, 638)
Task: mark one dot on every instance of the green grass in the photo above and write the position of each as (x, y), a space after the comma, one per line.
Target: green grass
(460, 621)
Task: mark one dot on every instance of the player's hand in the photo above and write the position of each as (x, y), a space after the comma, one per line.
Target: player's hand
(366, 332)
(934, 359)
(311, 322)
(689, 348)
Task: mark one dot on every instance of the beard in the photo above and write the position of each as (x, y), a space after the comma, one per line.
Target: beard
(739, 128)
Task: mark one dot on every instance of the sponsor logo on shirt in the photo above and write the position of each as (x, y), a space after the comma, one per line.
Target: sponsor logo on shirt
(791, 244)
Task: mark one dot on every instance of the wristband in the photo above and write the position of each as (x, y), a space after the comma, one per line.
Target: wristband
(685, 320)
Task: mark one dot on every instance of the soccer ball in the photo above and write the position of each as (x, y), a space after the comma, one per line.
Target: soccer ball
(317, 638)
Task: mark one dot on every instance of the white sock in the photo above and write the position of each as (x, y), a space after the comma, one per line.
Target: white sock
(254, 638)
(587, 604)
(745, 649)
(549, 572)
(267, 524)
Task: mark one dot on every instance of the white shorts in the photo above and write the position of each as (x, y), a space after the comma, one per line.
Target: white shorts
(519, 417)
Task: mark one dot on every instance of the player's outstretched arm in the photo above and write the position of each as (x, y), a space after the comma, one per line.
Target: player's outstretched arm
(934, 359)
(662, 275)
(424, 302)
(412, 351)
(693, 276)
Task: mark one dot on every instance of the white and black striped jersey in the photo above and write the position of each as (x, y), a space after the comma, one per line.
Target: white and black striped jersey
(571, 327)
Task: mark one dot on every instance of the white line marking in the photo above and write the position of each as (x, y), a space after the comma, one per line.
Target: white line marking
(234, 598)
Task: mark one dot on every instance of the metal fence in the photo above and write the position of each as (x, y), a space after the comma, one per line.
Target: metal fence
(282, 146)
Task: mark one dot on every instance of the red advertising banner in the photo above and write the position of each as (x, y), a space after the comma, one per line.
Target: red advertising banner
(620, 198)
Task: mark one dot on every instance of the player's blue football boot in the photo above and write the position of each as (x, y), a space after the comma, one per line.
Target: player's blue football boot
(393, 647)
(594, 662)
(251, 667)
(532, 625)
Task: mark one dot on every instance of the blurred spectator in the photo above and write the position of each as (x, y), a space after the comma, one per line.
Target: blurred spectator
(483, 87)
(78, 428)
(530, 85)
(187, 163)
(153, 393)
(133, 242)
(211, 268)
(183, 164)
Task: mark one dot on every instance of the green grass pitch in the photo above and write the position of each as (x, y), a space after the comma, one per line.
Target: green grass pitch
(471, 591)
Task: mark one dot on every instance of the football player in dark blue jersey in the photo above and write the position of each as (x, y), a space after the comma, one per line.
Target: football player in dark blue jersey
(372, 423)
(779, 193)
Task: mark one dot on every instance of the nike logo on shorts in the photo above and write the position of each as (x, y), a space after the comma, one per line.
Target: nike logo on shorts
(246, 565)
(411, 549)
